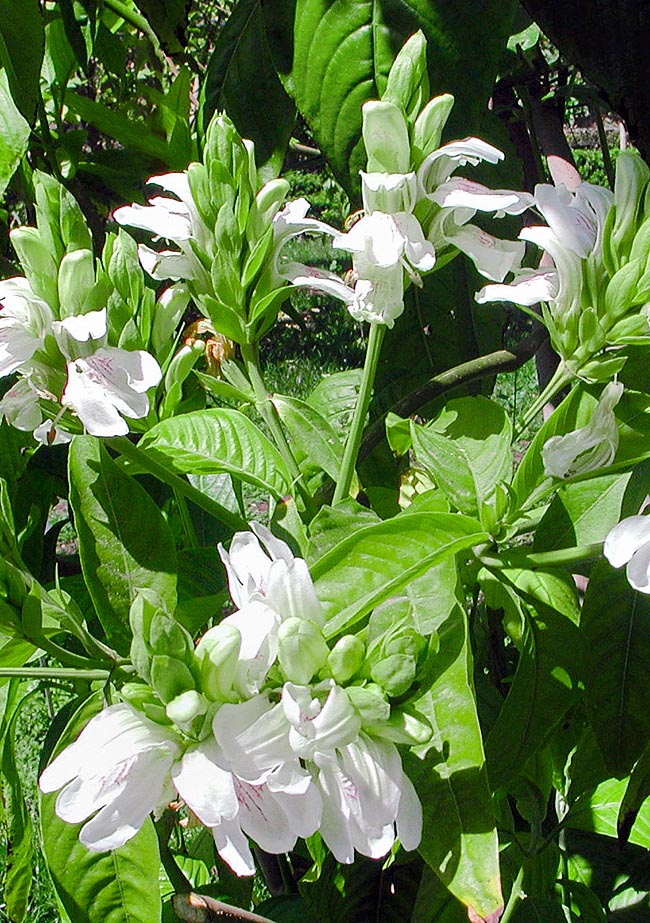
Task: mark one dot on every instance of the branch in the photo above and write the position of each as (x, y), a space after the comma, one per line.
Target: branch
(502, 360)
(198, 908)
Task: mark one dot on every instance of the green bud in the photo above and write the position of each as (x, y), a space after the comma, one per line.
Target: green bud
(170, 308)
(60, 221)
(185, 709)
(346, 657)
(302, 650)
(386, 137)
(267, 202)
(217, 654)
(621, 291)
(76, 281)
(395, 673)
(183, 363)
(371, 703)
(170, 677)
(167, 636)
(403, 727)
(138, 695)
(429, 125)
(408, 80)
(38, 263)
(630, 183)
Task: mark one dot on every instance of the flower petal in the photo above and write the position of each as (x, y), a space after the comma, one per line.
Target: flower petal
(626, 538)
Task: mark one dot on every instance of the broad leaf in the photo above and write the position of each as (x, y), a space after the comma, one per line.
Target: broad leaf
(466, 450)
(459, 839)
(335, 397)
(240, 79)
(582, 513)
(131, 134)
(14, 134)
(318, 444)
(375, 562)
(214, 441)
(616, 624)
(541, 618)
(22, 43)
(111, 887)
(637, 791)
(334, 56)
(119, 554)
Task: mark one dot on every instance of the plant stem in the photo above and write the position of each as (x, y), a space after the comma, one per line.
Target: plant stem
(516, 897)
(562, 557)
(560, 379)
(138, 22)
(373, 350)
(134, 454)
(54, 673)
(269, 414)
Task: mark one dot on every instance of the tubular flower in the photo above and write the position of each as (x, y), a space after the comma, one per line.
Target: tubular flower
(25, 319)
(589, 448)
(629, 543)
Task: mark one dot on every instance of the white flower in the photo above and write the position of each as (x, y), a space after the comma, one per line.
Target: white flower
(441, 163)
(119, 767)
(629, 543)
(20, 406)
(262, 567)
(530, 286)
(174, 219)
(108, 385)
(25, 319)
(367, 799)
(389, 192)
(589, 448)
(466, 194)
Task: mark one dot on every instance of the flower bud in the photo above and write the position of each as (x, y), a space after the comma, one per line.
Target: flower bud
(38, 264)
(385, 134)
(170, 677)
(630, 183)
(429, 125)
(403, 727)
(218, 655)
(302, 650)
(76, 281)
(186, 708)
(371, 703)
(346, 657)
(265, 207)
(408, 81)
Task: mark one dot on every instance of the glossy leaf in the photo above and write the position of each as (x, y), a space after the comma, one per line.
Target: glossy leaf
(466, 450)
(317, 442)
(616, 625)
(240, 79)
(22, 43)
(120, 554)
(459, 839)
(14, 134)
(214, 441)
(637, 791)
(335, 396)
(111, 887)
(332, 57)
(373, 563)
(582, 513)
(541, 615)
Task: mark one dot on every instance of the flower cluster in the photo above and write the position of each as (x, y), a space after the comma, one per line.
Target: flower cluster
(267, 732)
(60, 336)
(596, 291)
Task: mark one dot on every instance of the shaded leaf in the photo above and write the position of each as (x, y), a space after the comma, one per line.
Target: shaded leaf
(119, 554)
(22, 43)
(14, 134)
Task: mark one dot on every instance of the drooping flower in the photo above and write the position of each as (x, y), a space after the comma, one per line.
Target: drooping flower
(592, 446)
(25, 319)
(119, 770)
(629, 543)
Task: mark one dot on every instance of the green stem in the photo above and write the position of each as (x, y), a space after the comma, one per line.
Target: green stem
(134, 454)
(516, 897)
(270, 416)
(138, 22)
(186, 520)
(353, 443)
(561, 557)
(560, 379)
(54, 673)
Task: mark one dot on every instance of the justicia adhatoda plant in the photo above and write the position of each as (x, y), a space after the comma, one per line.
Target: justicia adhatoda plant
(402, 661)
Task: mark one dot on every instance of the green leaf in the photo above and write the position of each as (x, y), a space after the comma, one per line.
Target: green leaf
(638, 789)
(333, 57)
(541, 618)
(317, 442)
(22, 44)
(335, 397)
(168, 19)
(14, 134)
(120, 554)
(131, 133)
(459, 839)
(373, 563)
(466, 450)
(582, 513)
(111, 887)
(600, 813)
(616, 624)
(240, 79)
(214, 441)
